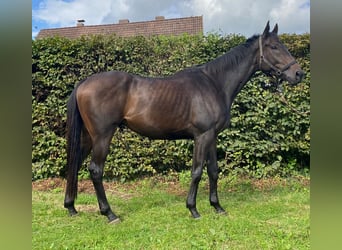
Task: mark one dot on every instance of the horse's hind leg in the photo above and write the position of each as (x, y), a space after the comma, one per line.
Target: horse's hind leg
(100, 151)
(86, 144)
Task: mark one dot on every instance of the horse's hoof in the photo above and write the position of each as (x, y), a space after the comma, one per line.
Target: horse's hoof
(195, 213)
(221, 211)
(114, 221)
(72, 212)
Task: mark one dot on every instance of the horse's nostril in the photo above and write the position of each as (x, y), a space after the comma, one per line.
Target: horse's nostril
(300, 74)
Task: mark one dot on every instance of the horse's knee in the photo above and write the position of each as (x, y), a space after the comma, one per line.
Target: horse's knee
(95, 171)
(213, 175)
(196, 175)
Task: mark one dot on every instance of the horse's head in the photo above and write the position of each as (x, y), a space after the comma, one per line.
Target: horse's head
(276, 60)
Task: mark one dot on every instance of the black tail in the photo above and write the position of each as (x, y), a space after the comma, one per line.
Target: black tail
(74, 158)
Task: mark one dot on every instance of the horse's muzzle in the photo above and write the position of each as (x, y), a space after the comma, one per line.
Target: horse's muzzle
(294, 78)
(300, 74)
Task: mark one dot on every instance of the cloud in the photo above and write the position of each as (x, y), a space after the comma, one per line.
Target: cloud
(65, 13)
(294, 14)
(227, 16)
(249, 16)
(136, 10)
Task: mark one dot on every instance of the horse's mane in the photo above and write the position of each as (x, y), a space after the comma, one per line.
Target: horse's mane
(230, 59)
(233, 57)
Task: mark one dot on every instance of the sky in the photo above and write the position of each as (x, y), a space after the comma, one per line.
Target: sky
(245, 17)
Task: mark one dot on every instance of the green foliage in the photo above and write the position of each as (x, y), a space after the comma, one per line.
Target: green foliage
(266, 138)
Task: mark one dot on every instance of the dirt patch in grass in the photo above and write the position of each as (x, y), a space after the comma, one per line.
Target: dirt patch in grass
(270, 183)
(125, 190)
(84, 186)
(48, 184)
(130, 189)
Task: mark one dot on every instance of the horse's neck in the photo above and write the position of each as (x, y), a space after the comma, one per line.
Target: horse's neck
(237, 78)
(231, 77)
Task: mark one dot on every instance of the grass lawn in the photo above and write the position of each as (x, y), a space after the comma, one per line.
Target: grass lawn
(262, 214)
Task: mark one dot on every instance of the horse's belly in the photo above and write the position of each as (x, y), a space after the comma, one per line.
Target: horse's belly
(159, 130)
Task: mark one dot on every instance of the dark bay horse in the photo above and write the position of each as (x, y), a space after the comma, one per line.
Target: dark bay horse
(193, 104)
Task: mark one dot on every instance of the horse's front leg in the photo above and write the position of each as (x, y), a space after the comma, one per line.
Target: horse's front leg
(201, 147)
(213, 172)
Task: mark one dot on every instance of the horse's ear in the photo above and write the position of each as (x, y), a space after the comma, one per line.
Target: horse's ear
(275, 29)
(267, 30)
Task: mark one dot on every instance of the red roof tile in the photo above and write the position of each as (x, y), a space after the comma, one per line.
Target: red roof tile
(159, 26)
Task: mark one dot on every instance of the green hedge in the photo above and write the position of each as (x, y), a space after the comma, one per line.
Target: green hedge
(267, 137)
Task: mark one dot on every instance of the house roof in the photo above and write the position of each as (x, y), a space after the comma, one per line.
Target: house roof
(159, 26)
